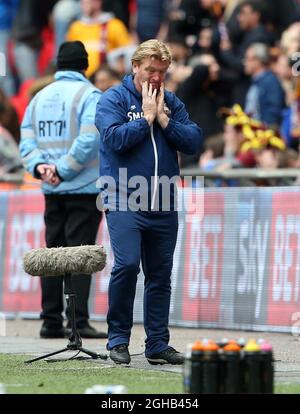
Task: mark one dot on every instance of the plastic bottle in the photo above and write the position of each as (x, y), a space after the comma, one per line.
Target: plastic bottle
(231, 378)
(241, 342)
(222, 342)
(107, 389)
(196, 382)
(210, 368)
(267, 368)
(251, 368)
(2, 388)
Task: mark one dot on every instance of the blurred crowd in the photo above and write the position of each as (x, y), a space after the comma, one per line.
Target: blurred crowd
(236, 66)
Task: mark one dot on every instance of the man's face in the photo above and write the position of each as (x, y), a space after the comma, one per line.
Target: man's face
(104, 81)
(247, 18)
(90, 7)
(151, 70)
(213, 66)
(250, 62)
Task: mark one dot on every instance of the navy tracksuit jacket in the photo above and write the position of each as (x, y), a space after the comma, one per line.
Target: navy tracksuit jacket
(149, 234)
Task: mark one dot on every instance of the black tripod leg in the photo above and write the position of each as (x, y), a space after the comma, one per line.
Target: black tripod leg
(46, 356)
(90, 353)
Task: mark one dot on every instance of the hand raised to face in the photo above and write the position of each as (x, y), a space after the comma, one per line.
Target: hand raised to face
(149, 105)
(162, 117)
(161, 101)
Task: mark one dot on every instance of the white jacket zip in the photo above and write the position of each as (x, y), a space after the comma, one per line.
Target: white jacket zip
(155, 168)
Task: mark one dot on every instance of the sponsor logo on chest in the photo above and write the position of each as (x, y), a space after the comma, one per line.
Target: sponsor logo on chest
(133, 114)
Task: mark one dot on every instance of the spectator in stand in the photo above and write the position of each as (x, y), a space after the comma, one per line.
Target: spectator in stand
(269, 158)
(179, 49)
(120, 59)
(8, 10)
(253, 31)
(213, 150)
(105, 77)
(282, 69)
(99, 31)
(277, 16)
(206, 42)
(204, 91)
(282, 13)
(290, 127)
(230, 16)
(247, 143)
(179, 69)
(64, 13)
(265, 98)
(151, 19)
(232, 52)
(10, 160)
(191, 16)
(31, 17)
(231, 156)
(121, 9)
(290, 45)
(8, 117)
(290, 39)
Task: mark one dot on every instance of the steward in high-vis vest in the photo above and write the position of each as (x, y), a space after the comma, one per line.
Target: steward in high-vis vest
(60, 145)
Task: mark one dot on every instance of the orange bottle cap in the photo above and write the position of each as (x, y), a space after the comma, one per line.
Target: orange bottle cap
(232, 347)
(197, 346)
(211, 346)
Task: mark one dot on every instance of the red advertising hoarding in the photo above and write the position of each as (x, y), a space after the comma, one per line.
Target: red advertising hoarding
(203, 262)
(24, 231)
(284, 270)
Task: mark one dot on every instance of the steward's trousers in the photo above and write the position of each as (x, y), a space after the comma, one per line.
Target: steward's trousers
(149, 237)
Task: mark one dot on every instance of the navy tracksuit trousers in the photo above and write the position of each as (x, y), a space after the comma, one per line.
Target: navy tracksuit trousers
(149, 237)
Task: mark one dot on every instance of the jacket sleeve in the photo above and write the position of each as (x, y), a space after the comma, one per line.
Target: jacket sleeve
(272, 103)
(181, 132)
(116, 132)
(85, 146)
(28, 147)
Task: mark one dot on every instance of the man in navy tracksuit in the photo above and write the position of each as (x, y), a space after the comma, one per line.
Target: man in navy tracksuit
(142, 127)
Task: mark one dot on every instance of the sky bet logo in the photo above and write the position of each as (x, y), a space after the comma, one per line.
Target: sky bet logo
(2, 64)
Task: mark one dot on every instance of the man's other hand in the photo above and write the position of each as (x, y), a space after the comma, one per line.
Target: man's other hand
(149, 102)
(162, 117)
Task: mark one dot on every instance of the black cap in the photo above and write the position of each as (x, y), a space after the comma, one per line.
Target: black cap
(73, 56)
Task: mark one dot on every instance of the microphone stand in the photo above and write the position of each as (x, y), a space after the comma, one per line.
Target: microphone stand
(75, 342)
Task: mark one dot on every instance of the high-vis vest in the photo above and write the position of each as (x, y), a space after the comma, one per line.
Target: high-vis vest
(58, 128)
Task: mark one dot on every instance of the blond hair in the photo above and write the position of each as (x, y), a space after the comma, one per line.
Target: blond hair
(152, 48)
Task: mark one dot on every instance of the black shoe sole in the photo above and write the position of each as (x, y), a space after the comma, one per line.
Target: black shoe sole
(161, 362)
(120, 363)
(157, 362)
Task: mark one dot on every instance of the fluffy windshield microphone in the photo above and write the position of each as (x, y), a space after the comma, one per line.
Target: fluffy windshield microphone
(58, 261)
